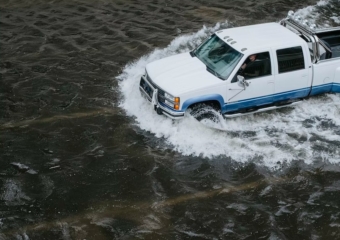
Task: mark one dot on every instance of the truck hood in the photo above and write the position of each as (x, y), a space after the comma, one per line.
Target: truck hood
(181, 73)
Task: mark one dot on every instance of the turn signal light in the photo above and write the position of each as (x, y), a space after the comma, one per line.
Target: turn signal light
(176, 99)
(176, 106)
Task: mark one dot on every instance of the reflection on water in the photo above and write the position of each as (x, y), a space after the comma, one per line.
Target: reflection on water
(83, 157)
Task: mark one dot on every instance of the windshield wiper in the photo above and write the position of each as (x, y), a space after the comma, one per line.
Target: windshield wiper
(214, 73)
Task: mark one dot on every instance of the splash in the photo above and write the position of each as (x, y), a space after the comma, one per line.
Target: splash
(308, 132)
(315, 14)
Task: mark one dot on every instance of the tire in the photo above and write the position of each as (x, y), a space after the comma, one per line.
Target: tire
(204, 111)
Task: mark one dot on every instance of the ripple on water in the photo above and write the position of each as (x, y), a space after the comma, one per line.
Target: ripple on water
(99, 176)
(12, 193)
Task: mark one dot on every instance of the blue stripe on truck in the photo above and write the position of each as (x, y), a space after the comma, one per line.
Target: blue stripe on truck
(253, 102)
(324, 88)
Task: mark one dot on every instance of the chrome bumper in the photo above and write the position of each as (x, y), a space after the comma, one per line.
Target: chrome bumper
(151, 93)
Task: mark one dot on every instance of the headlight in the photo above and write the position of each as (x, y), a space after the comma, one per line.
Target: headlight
(177, 102)
(167, 102)
(172, 101)
(168, 96)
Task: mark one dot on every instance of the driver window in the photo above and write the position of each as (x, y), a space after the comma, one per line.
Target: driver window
(256, 65)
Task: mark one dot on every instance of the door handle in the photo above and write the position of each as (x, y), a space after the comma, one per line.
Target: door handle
(305, 75)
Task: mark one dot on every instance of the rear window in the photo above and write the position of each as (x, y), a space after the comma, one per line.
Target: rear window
(290, 59)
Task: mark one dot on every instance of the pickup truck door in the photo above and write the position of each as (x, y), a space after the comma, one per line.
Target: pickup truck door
(293, 76)
(260, 88)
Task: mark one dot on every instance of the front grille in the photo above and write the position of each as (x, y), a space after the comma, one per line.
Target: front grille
(145, 86)
(161, 93)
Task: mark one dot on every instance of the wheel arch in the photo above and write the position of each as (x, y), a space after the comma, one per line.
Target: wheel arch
(215, 100)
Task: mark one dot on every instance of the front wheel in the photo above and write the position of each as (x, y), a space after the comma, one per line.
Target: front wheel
(204, 111)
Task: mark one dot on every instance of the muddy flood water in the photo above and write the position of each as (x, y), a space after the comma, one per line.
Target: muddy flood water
(82, 155)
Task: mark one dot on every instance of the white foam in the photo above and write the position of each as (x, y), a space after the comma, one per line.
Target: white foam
(269, 138)
(336, 19)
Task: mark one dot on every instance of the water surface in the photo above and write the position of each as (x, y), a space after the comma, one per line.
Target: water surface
(83, 157)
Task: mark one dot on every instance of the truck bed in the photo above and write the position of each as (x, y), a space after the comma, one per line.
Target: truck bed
(332, 40)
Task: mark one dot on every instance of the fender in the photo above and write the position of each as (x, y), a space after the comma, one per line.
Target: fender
(204, 98)
(336, 83)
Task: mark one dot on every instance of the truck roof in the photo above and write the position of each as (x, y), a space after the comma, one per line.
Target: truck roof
(251, 38)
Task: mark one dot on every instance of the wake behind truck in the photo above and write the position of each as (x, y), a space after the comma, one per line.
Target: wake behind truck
(249, 69)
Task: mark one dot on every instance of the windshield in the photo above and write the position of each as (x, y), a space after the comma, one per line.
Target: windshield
(219, 57)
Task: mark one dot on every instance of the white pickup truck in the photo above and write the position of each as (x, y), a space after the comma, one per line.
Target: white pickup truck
(246, 69)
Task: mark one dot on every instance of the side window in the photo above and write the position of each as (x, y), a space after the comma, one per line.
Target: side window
(290, 59)
(256, 65)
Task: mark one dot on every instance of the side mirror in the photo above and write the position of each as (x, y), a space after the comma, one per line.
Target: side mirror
(242, 81)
